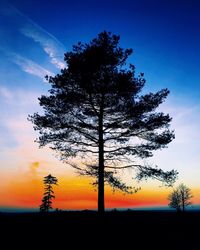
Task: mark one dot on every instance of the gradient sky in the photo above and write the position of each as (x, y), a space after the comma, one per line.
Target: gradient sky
(165, 37)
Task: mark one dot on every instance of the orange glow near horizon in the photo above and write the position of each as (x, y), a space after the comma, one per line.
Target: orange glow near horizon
(26, 191)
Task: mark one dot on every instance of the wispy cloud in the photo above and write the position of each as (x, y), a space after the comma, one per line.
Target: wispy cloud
(25, 64)
(5, 93)
(17, 136)
(50, 44)
(183, 153)
(185, 122)
(52, 47)
(18, 97)
(30, 67)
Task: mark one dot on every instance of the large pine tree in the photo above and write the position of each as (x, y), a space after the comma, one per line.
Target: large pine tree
(95, 112)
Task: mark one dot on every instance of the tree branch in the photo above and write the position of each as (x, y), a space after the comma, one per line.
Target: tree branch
(123, 167)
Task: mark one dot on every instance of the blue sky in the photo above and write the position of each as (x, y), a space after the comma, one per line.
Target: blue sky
(164, 35)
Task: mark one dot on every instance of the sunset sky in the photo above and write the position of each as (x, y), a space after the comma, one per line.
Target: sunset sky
(165, 37)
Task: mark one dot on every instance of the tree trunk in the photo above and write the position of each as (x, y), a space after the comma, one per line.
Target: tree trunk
(183, 201)
(183, 206)
(101, 205)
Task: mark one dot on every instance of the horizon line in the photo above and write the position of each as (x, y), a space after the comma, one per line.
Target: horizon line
(5, 209)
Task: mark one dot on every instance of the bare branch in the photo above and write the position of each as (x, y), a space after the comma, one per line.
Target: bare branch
(123, 167)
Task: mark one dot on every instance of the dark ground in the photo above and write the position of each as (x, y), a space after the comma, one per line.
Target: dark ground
(86, 229)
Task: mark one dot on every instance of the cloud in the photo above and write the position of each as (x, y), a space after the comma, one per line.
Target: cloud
(5, 93)
(30, 67)
(17, 136)
(32, 172)
(16, 104)
(25, 64)
(185, 122)
(52, 47)
(18, 98)
(182, 153)
(27, 27)
(54, 60)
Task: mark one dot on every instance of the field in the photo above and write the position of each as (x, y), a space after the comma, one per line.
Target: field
(128, 229)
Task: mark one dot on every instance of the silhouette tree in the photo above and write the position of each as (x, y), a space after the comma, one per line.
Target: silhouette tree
(95, 112)
(49, 180)
(175, 200)
(180, 198)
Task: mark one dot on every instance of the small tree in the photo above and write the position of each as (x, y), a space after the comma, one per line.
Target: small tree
(180, 198)
(186, 195)
(175, 200)
(49, 180)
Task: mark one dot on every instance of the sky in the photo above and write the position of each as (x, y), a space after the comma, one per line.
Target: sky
(165, 37)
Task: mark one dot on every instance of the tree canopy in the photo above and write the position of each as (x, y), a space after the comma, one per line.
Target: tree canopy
(180, 198)
(96, 112)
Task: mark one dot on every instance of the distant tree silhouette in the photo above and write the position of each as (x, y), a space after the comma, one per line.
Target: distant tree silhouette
(49, 181)
(95, 111)
(180, 198)
(175, 200)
